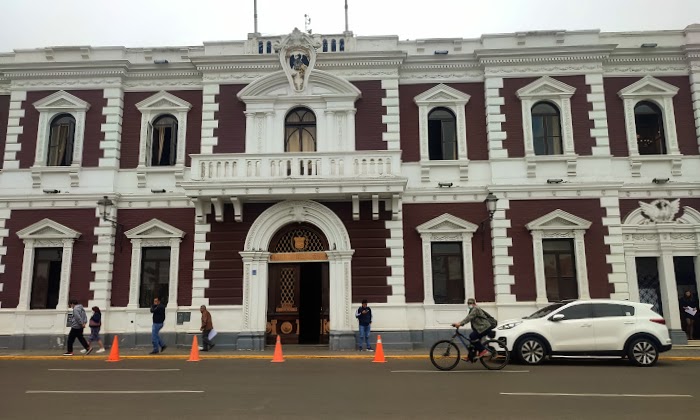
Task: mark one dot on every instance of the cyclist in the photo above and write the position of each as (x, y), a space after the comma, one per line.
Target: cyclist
(481, 325)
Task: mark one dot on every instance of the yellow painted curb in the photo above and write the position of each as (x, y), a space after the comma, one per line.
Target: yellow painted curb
(262, 357)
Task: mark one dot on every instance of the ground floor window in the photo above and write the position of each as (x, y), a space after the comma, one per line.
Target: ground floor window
(448, 272)
(155, 275)
(560, 269)
(46, 279)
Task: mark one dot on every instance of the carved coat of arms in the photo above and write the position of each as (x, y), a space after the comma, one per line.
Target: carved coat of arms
(299, 243)
(297, 53)
(660, 211)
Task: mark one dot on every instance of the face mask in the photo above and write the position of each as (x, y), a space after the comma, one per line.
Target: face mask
(471, 306)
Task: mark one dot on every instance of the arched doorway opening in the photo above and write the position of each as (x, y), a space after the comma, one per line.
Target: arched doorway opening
(298, 286)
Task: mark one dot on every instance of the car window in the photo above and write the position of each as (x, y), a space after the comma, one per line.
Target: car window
(577, 311)
(545, 311)
(606, 310)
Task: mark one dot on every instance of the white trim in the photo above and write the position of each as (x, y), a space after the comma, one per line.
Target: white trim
(661, 94)
(447, 228)
(151, 108)
(46, 234)
(154, 233)
(559, 94)
(443, 96)
(49, 107)
(559, 224)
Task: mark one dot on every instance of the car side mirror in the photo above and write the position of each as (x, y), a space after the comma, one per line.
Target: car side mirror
(557, 317)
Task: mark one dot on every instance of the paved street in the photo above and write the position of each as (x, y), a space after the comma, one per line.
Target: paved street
(342, 389)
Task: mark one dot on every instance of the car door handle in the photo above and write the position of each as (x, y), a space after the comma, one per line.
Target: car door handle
(586, 325)
(629, 322)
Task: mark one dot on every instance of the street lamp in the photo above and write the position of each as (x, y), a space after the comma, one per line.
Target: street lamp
(490, 202)
(104, 204)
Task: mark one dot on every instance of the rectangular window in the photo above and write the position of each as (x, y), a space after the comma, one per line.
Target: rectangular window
(560, 269)
(448, 272)
(46, 280)
(155, 275)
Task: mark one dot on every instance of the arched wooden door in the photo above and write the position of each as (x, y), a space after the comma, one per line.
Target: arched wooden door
(298, 287)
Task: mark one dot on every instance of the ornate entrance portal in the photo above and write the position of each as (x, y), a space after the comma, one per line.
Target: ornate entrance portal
(297, 305)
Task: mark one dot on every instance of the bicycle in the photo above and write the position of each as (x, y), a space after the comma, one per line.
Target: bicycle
(447, 351)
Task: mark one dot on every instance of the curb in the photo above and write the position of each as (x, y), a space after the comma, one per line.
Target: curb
(264, 357)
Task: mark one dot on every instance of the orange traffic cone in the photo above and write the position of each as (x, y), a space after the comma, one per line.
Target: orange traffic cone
(379, 352)
(277, 357)
(194, 353)
(114, 351)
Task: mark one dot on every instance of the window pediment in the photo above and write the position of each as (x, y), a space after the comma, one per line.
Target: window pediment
(47, 229)
(154, 229)
(447, 223)
(648, 87)
(321, 83)
(440, 95)
(546, 87)
(557, 220)
(163, 101)
(61, 101)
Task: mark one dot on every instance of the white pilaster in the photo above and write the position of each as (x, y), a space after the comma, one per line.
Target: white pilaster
(500, 242)
(199, 282)
(598, 114)
(395, 261)
(495, 117)
(112, 128)
(4, 232)
(14, 129)
(105, 232)
(616, 257)
(209, 121)
(391, 101)
(695, 92)
(669, 290)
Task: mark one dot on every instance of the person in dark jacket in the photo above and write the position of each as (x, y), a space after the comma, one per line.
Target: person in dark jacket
(480, 324)
(364, 317)
(689, 312)
(158, 311)
(76, 328)
(207, 326)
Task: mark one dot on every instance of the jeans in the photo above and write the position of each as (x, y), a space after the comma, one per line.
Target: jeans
(155, 338)
(475, 338)
(364, 333)
(76, 333)
(206, 344)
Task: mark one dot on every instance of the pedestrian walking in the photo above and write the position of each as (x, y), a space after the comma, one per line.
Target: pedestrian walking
(76, 329)
(364, 318)
(95, 324)
(207, 327)
(158, 311)
(689, 311)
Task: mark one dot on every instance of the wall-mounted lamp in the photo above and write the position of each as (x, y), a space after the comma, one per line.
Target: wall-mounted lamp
(555, 181)
(160, 61)
(104, 204)
(649, 45)
(157, 191)
(441, 52)
(51, 191)
(490, 201)
(445, 184)
(660, 180)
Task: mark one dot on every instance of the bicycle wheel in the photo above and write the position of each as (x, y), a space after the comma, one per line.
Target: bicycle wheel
(444, 355)
(498, 356)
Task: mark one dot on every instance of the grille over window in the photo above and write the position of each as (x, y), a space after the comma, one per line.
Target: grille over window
(301, 239)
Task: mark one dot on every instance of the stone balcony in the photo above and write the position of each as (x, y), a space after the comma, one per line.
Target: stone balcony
(216, 179)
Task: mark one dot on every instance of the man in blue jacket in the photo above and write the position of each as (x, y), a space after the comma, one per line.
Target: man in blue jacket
(364, 317)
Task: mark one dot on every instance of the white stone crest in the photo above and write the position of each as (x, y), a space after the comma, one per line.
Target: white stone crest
(297, 53)
(660, 211)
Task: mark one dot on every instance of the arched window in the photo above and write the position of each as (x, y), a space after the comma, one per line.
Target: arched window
(342, 45)
(300, 131)
(61, 141)
(442, 135)
(269, 47)
(333, 45)
(650, 129)
(164, 141)
(260, 47)
(546, 129)
(325, 45)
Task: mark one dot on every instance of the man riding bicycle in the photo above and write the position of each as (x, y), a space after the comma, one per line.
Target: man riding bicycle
(481, 324)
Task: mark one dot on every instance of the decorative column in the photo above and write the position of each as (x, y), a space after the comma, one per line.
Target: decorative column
(540, 281)
(494, 117)
(392, 120)
(200, 264)
(101, 286)
(669, 289)
(500, 242)
(209, 122)
(395, 262)
(14, 129)
(330, 130)
(350, 136)
(598, 115)
(249, 131)
(632, 281)
(26, 282)
(134, 279)
(614, 240)
(342, 336)
(255, 278)
(4, 232)
(112, 128)
(269, 129)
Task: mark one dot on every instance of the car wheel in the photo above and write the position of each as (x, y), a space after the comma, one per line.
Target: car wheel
(643, 352)
(531, 350)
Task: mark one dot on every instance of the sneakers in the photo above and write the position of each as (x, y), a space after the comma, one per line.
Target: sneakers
(83, 350)
(162, 349)
(370, 349)
(211, 346)
(100, 351)
(483, 353)
(67, 354)
(154, 352)
(88, 351)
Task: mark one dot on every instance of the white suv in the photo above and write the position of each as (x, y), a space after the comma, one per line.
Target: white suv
(590, 328)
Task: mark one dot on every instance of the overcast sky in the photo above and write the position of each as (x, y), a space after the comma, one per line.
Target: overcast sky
(134, 23)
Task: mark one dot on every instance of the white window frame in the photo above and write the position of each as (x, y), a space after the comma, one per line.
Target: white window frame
(559, 94)
(154, 233)
(661, 94)
(443, 96)
(559, 225)
(447, 228)
(46, 234)
(162, 103)
(57, 103)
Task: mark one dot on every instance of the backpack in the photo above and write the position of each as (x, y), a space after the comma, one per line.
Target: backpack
(492, 321)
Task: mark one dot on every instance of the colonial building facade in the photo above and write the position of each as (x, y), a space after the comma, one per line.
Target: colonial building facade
(281, 180)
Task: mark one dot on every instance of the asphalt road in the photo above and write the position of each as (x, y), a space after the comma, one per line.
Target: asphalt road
(343, 389)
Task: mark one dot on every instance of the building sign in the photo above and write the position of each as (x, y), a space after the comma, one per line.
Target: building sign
(299, 256)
